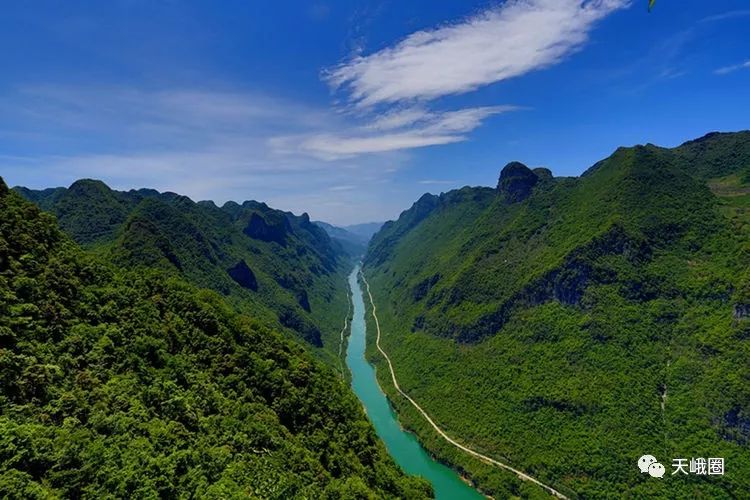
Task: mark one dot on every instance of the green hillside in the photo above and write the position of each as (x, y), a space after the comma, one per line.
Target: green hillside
(570, 325)
(132, 384)
(281, 267)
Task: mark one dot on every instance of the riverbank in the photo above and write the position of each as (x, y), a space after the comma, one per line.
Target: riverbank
(484, 458)
(401, 444)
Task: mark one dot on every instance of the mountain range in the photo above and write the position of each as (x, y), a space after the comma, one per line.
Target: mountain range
(353, 238)
(562, 325)
(570, 325)
(129, 382)
(271, 263)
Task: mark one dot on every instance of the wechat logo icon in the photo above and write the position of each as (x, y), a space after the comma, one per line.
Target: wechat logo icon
(648, 463)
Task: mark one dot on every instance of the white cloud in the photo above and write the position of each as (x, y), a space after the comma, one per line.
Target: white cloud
(503, 42)
(331, 147)
(407, 129)
(464, 120)
(731, 69)
(398, 118)
(206, 144)
(229, 144)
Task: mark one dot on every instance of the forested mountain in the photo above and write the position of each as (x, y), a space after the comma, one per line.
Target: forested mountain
(120, 383)
(570, 325)
(281, 267)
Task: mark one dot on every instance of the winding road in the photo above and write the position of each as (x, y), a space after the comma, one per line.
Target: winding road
(521, 475)
(341, 335)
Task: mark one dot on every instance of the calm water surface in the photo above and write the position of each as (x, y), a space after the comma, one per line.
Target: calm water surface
(402, 446)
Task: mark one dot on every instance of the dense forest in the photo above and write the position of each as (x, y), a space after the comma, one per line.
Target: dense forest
(270, 263)
(131, 383)
(570, 325)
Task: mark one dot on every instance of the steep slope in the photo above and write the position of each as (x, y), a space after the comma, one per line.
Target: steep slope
(282, 267)
(132, 384)
(569, 326)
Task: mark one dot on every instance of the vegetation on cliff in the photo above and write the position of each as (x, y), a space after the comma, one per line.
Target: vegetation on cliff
(133, 384)
(570, 325)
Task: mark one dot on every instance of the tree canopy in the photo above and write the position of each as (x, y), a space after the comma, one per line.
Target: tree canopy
(118, 383)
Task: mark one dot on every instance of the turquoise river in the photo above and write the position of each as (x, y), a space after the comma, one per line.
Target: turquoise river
(402, 445)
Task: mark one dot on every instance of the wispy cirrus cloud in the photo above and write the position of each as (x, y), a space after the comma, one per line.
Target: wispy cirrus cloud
(395, 88)
(511, 40)
(239, 144)
(399, 118)
(732, 68)
(406, 129)
(732, 14)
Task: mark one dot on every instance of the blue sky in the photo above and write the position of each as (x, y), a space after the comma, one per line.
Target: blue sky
(351, 109)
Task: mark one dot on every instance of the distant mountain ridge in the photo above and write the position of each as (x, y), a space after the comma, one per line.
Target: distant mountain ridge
(353, 238)
(281, 266)
(579, 321)
(365, 230)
